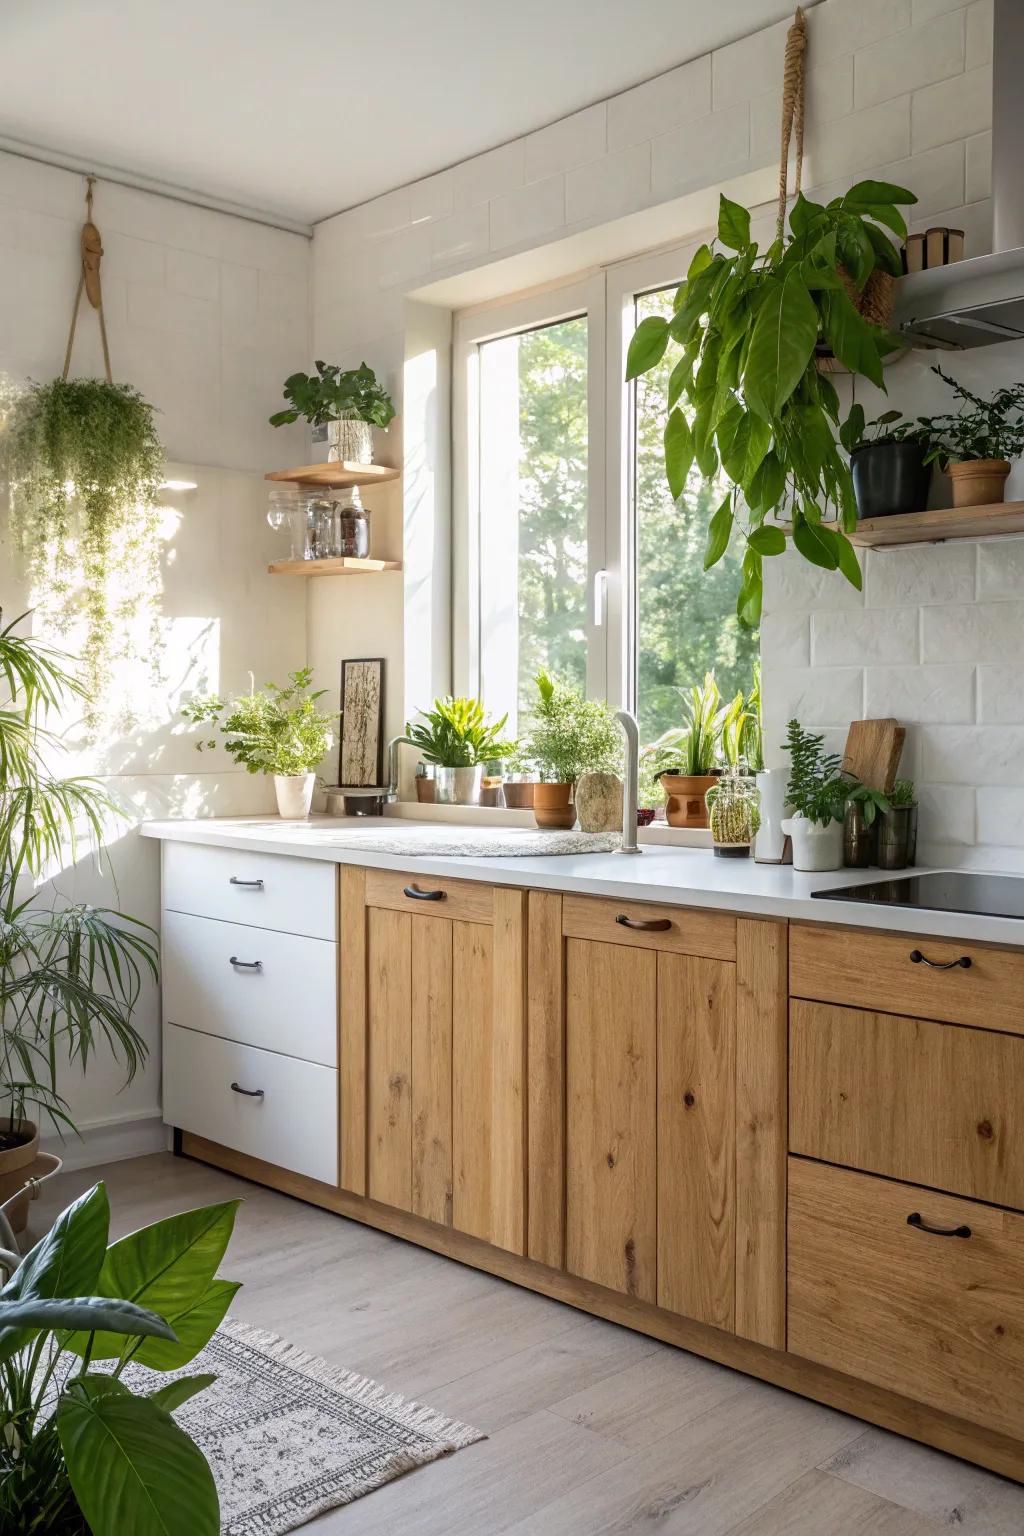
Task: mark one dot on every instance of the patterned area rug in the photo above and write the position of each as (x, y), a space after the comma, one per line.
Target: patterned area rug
(289, 1436)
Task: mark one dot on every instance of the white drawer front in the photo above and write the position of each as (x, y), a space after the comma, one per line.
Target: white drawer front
(288, 1116)
(273, 990)
(266, 890)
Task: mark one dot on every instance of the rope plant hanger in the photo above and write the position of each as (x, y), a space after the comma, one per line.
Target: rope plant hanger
(84, 464)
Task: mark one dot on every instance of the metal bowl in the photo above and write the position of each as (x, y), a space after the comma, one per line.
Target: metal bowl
(355, 802)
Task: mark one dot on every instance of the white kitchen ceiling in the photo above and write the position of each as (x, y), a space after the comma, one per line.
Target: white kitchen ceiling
(302, 110)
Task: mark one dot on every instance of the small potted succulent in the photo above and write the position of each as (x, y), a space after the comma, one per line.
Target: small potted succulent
(817, 793)
(348, 403)
(889, 462)
(571, 735)
(458, 739)
(897, 828)
(689, 755)
(976, 444)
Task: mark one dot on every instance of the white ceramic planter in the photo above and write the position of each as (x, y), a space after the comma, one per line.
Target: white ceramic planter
(815, 848)
(349, 441)
(458, 786)
(772, 784)
(294, 795)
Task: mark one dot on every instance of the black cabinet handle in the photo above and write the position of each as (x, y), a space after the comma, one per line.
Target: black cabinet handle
(248, 1093)
(415, 895)
(254, 885)
(915, 1219)
(645, 924)
(245, 965)
(964, 962)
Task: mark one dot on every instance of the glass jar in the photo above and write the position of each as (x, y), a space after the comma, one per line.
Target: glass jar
(315, 527)
(734, 813)
(353, 522)
(283, 515)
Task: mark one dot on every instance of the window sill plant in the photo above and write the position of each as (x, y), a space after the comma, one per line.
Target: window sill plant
(976, 444)
(817, 793)
(888, 461)
(278, 731)
(571, 736)
(685, 758)
(458, 739)
(349, 404)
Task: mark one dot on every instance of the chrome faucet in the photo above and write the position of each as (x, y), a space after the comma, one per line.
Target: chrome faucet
(393, 746)
(630, 789)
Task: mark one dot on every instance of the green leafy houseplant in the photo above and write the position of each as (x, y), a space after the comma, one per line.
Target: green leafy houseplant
(331, 393)
(694, 747)
(84, 464)
(571, 735)
(817, 789)
(81, 1450)
(457, 734)
(902, 795)
(981, 429)
(749, 323)
(70, 974)
(269, 730)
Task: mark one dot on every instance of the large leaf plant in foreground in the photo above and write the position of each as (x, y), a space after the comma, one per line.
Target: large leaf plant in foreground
(746, 396)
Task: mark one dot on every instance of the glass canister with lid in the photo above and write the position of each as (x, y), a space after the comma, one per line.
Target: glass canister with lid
(352, 524)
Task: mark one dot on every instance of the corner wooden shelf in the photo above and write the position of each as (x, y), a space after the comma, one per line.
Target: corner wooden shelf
(341, 565)
(939, 524)
(337, 476)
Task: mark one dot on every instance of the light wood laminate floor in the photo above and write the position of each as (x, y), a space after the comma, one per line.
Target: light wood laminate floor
(594, 1431)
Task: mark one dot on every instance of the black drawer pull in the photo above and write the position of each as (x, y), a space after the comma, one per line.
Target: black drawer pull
(248, 1093)
(245, 965)
(253, 885)
(915, 1219)
(964, 962)
(645, 924)
(411, 891)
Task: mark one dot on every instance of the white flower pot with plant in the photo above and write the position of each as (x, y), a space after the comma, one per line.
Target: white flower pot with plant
(457, 738)
(276, 731)
(571, 736)
(817, 793)
(348, 403)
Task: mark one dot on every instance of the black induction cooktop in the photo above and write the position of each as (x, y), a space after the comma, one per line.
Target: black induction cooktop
(946, 891)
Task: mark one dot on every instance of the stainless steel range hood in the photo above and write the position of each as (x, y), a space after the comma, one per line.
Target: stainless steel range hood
(979, 302)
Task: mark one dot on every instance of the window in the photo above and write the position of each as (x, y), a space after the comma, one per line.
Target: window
(569, 551)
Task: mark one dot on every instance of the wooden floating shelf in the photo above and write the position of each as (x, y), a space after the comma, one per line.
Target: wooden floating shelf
(342, 565)
(939, 524)
(337, 475)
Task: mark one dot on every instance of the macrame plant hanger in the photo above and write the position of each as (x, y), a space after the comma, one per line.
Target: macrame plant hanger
(89, 280)
(792, 112)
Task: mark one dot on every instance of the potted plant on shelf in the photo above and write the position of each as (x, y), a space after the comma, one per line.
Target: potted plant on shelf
(570, 735)
(272, 730)
(889, 462)
(897, 828)
(70, 974)
(97, 1450)
(347, 402)
(817, 793)
(688, 755)
(975, 445)
(458, 739)
(520, 779)
(749, 323)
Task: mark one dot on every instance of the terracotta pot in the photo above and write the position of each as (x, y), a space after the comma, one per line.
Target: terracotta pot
(19, 1157)
(978, 482)
(685, 793)
(553, 807)
(19, 1188)
(518, 796)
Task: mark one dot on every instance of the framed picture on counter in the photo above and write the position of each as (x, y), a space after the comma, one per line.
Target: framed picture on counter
(361, 755)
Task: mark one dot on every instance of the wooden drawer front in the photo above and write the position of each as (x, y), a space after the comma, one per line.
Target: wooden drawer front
(938, 1319)
(265, 890)
(930, 1103)
(294, 1124)
(459, 899)
(289, 1004)
(688, 931)
(874, 970)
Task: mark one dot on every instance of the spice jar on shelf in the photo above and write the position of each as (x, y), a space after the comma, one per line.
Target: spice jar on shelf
(353, 526)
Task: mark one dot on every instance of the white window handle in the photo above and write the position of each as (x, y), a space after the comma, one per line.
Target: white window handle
(600, 598)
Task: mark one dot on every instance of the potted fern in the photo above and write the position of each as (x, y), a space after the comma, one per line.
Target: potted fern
(571, 735)
(817, 794)
(689, 754)
(458, 739)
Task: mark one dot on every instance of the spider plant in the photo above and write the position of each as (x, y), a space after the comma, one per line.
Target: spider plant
(694, 747)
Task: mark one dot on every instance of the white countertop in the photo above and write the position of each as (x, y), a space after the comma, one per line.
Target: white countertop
(684, 876)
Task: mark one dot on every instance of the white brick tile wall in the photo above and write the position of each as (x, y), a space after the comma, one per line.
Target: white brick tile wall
(874, 636)
(952, 109)
(872, 136)
(678, 96)
(1001, 569)
(979, 33)
(946, 816)
(978, 151)
(924, 695)
(969, 632)
(786, 637)
(1001, 817)
(829, 95)
(528, 213)
(835, 29)
(739, 72)
(190, 273)
(489, 175)
(922, 11)
(606, 189)
(462, 239)
(432, 199)
(817, 696)
(937, 573)
(1000, 696)
(708, 150)
(916, 57)
(570, 142)
(953, 754)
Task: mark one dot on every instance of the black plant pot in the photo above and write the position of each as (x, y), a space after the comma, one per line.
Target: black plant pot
(889, 477)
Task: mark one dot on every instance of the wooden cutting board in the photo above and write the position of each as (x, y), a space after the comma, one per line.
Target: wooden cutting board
(873, 752)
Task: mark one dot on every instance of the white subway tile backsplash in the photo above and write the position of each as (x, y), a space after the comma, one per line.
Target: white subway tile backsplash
(979, 33)
(608, 188)
(972, 754)
(1001, 817)
(978, 151)
(877, 636)
(383, 216)
(678, 96)
(786, 638)
(936, 177)
(570, 142)
(976, 632)
(1001, 570)
(871, 136)
(952, 109)
(920, 695)
(1000, 696)
(919, 56)
(489, 175)
(792, 584)
(528, 213)
(404, 257)
(432, 199)
(464, 237)
(816, 696)
(946, 815)
(935, 573)
(691, 157)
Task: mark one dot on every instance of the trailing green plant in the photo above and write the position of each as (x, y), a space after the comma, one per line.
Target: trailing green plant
(902, 794)
(750, 323)
(457, 734)
(88, 1444)
(873, 801)
(981, 429)
(817, 789)
(70, 974)
(270, 729)
(695, 746)
(571, 735)
(332, 392)
(84, 465)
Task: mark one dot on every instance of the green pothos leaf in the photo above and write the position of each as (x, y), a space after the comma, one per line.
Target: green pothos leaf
(678, 452)
(719, 533)
(647, 347)
(815, 543)
(768, 540)
(847, 558)
(748, 604)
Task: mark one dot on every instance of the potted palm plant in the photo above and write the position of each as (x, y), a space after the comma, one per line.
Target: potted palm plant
(272, 730)
(689, 754)
(975, 445)
(458, 739)
(817, 793)
(571, 735)
(348, 403)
